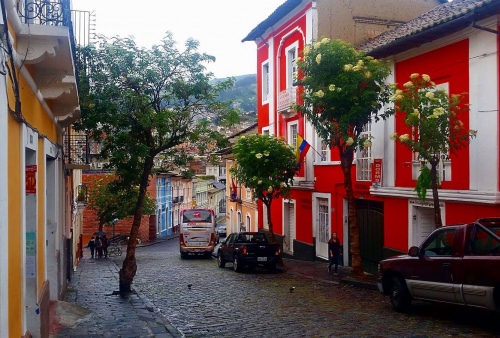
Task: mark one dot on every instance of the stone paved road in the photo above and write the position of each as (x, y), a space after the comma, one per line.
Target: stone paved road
(222, 303)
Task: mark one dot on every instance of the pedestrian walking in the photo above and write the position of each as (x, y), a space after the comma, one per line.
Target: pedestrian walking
(333, 253)
(91, 246)
(104, 243)
(98, 245)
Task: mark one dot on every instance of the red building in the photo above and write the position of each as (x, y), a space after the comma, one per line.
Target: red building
(457, 45)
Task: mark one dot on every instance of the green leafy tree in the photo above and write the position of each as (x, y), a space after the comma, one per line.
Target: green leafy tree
(139, 103)
(266, 165)
(111, 201)
(343, 91)
(434, 130)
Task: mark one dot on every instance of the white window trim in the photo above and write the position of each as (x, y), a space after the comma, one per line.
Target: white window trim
(289, 72)
(292, 139)
(266, 82)
(364, 158)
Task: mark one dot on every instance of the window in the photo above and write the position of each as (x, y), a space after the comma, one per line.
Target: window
(248, 193)
(292, 134)
(324, 154)
(364, 157)
(444, 166)
(485, 243)
(265, 82)
(440, 243)
(324, 224)
(291, 66)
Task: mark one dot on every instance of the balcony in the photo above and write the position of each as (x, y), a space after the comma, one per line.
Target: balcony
(286, 99)
(45, 42)
(77, 154)
(178, 199)
(82, 196)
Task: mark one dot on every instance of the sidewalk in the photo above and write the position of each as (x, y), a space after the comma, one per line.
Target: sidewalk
(92, 309)
(318, 270)
(135, 315)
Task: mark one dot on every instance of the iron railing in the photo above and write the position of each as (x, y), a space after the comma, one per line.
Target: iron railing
(44, 12)
(77, 149)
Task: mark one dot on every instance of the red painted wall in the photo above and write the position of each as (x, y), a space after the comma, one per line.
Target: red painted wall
(457, 213)
(303, 217)
(262, 109)
(447, 64)
(396, 223)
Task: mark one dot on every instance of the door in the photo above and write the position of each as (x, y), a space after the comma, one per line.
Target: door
(371, 233)
(431, 274)
(323, 227)
(423, 224)
(289, 231)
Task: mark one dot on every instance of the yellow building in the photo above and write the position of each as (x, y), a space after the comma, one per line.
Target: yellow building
(38, 179)
(241, 207)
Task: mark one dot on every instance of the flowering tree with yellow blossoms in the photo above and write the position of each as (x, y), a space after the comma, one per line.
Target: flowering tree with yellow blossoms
(434, 130)
(266, 165)
(343, 91)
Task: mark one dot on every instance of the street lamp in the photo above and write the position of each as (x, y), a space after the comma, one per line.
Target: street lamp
(114, 221)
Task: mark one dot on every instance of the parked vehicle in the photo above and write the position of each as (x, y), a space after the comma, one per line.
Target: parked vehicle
(249, 249)
(197, 232)
(220, 231)
(458, 264)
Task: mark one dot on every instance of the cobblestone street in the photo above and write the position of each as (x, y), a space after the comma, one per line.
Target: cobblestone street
(222, 303)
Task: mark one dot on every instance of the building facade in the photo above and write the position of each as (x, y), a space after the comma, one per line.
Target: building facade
(40, 215)
(457, 45)
(317, 205)
(241, 207)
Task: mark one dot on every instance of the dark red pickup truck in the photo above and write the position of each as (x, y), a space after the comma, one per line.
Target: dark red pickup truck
(249, 249)
(457, 264)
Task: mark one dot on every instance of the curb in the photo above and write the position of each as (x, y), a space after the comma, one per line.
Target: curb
(156, 315)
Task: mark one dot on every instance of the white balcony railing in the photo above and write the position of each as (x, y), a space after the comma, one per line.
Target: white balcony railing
(286, 99)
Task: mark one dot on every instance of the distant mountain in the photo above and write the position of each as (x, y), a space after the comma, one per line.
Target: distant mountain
(244, 95)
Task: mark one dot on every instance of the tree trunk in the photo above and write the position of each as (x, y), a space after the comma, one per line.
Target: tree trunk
(435, 195)
(346, 158)
(267, 202)
(129, 267)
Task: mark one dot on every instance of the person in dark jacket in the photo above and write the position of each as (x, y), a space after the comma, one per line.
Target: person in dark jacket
(334, 247)
(91, 246)
(98, 246)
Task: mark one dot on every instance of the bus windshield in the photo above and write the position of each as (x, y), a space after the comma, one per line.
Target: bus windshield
(197, 216)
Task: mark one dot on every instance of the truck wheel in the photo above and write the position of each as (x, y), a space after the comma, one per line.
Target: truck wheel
(399, 296)
(183, 255)
(221, 262)
(236, 264)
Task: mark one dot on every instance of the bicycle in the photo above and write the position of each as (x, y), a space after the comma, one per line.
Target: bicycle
(114, 250)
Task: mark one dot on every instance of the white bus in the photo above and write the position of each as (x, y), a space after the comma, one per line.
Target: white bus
(197, 233)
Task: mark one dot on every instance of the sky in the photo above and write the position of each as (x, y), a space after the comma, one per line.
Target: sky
(219, 26)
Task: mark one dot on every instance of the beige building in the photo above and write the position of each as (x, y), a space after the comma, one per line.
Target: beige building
(241, 208)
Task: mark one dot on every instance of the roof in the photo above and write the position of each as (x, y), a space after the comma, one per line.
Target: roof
(441, 20)
(245, 131)
(275, 17)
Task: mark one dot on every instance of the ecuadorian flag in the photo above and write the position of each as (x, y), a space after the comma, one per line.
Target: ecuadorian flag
(301, 150)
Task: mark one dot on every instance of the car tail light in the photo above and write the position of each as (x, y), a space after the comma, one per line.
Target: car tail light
(244, 250)
(181, 238)
(212, 239)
